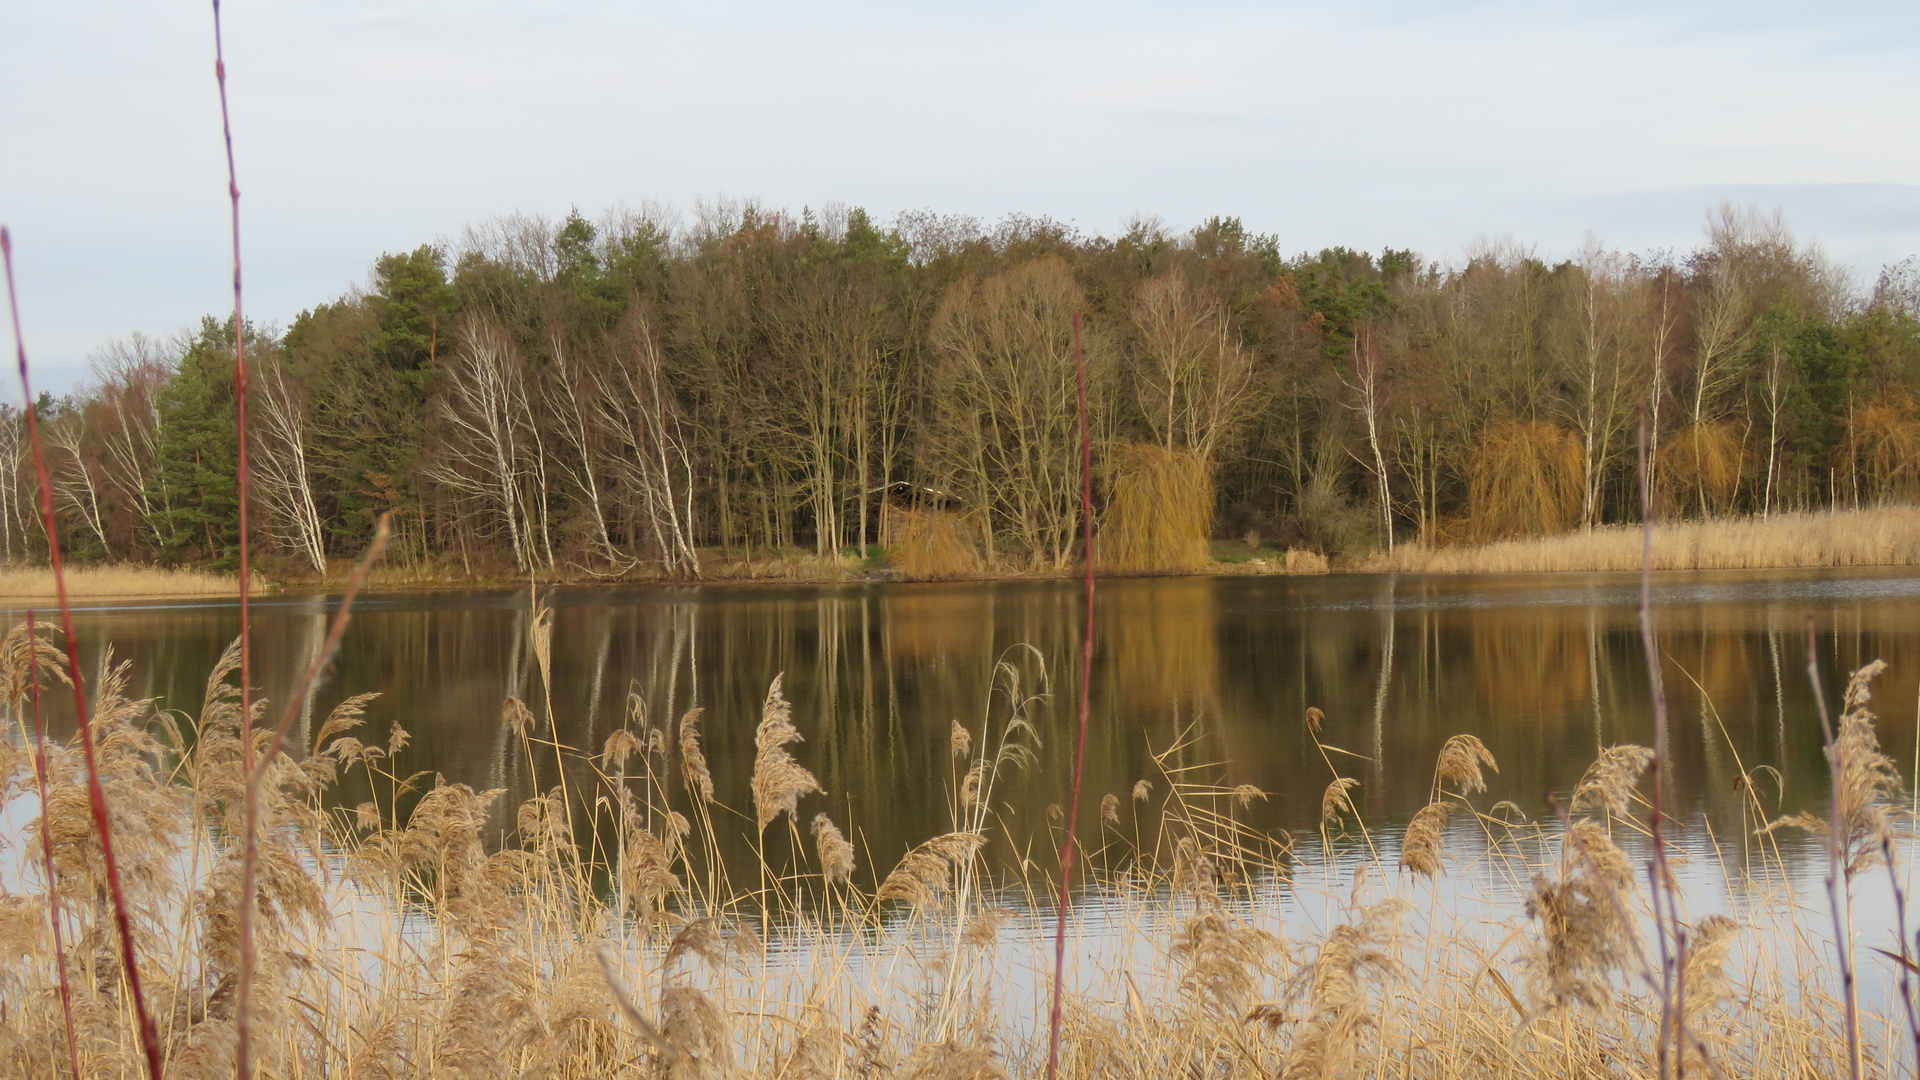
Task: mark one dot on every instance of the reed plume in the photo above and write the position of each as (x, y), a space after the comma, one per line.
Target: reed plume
(694, 775)
(1867, 781)
(1356, 960)
(1584, 934)
(925, 875)
(1110, 808)
(1609, 782)
(1335, 801)
(778, 780)
(836, 854)
(1424, 844)
(1461, 759)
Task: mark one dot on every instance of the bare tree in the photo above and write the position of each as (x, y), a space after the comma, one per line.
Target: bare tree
(13, 505)
(1194, 383)
(76, 482)
(652, 458)
(569, 388)
(1369, 393)
(1004, 430)
(128, 376)
(1599, 365)
(484, 412)
(280, 457)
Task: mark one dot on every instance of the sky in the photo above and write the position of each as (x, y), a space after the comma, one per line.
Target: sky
(364, 126)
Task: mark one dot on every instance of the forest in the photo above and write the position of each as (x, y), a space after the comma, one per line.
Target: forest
(637, 396)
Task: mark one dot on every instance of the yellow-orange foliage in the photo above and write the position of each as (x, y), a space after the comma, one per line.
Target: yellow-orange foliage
(1158, 515)
(1699, 467)
(1884, 444)
(931, 544)
(1524, 480)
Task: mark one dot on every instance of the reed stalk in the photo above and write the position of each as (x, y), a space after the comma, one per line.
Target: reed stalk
(96, 794)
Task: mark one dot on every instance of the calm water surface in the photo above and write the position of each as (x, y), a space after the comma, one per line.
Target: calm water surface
(1544, 669)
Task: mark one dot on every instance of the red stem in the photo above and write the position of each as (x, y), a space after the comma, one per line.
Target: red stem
(1080, 743)
(46, 848)
(96, 795)
(243, 997)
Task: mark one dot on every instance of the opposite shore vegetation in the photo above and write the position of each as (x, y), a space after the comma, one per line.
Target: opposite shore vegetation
(749, 393)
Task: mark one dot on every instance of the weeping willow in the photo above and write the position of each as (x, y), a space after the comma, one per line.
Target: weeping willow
(1158, 516)
(1524, 480)
(1883, 444)
(933, 545)
(1700, 467)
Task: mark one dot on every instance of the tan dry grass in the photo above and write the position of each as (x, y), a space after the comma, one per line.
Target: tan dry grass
(407, 945)
(1886, 536)
(103, 582)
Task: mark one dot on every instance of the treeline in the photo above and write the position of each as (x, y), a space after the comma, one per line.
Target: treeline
(633, 397)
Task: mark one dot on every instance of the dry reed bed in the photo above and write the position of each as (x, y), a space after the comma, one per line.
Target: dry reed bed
(604, 938)
(104, 582)
(1886, 536)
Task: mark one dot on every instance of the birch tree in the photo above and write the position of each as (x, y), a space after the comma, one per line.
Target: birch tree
(280, 457)
(483, 454)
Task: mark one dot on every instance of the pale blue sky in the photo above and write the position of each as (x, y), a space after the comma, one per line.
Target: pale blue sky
(372, 125)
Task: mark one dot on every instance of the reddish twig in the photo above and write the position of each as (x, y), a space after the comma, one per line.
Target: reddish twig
(1080, 743)
(243, 996)
(46, 847)
(96, 795)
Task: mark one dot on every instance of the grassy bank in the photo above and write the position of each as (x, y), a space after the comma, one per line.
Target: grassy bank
(118, 581)
(1887, 536)
(592, 931)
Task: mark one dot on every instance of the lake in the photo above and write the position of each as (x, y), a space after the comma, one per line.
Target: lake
(1545, 670)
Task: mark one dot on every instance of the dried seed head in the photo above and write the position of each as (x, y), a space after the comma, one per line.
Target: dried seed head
(366, 816)
(1246, 793)
(620, 745)
(1708, 945)
(970, 785)
(1335, 800)
(1425, 841)
(778, 780)
(700, 938)
(926, 873)
(1460, 762)
(960, 740)
(984, 929)
(1315, 719)
(836, 854)
(1110, 808)
(515, 714)
(1142, 790)
(693, 761)
(1194, 872)
(1609, 782)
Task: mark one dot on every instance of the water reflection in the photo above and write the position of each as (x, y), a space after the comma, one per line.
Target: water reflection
(1545, 670)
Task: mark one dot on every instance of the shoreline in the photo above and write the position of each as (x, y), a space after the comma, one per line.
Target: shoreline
(1880, 538)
